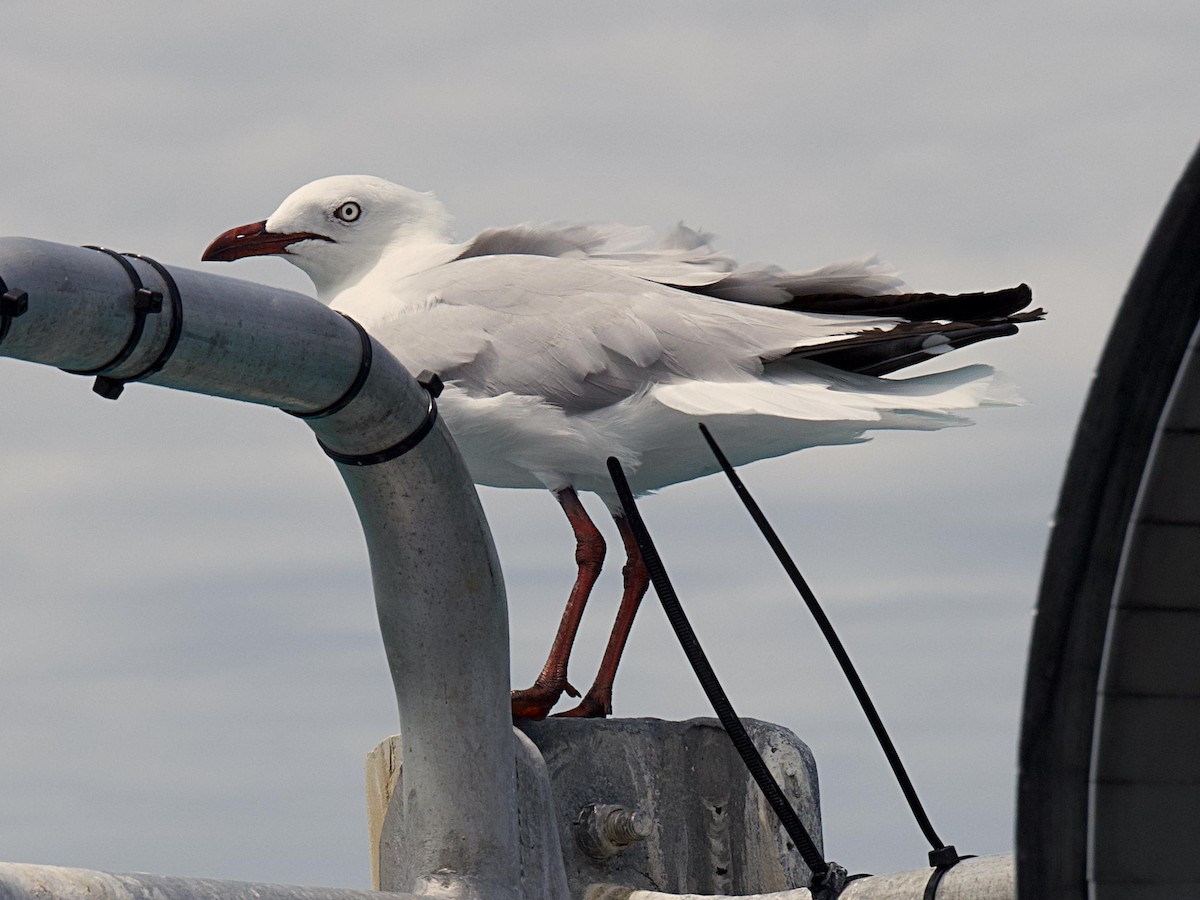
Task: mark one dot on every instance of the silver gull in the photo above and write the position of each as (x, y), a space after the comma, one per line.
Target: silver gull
(562, 345)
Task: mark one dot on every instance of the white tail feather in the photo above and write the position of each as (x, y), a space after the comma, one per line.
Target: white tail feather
(818, 393)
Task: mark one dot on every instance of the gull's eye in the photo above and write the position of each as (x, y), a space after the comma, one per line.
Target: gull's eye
(348, 211)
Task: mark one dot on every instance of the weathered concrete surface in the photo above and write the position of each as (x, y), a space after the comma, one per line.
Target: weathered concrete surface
(540, 853)
(985, 878)
(542, 871)
(714, 833)
(382, 773)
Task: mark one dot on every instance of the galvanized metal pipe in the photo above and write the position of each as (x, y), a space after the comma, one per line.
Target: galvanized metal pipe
(438, 588)
(985, 878)
(26, 882)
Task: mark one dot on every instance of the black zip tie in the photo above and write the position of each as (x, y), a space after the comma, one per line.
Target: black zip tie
(948, 860)
(111, 388)
(176, 318)
(433, 388)
(828, 877)
(145, 302)
(941, 855)
(360, 378)
(13, 303)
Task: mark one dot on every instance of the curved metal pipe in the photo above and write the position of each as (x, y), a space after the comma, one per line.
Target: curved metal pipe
(438, 588)
(19, 881)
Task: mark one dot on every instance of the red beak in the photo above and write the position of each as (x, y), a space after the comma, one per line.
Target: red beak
(253, 240)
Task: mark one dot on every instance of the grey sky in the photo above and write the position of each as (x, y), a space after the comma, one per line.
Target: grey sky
(190, 671)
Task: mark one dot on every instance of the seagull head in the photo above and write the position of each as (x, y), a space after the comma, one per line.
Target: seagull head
(338, 229)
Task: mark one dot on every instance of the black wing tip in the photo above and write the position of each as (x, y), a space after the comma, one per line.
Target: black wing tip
(1024, 292)
(972, 306)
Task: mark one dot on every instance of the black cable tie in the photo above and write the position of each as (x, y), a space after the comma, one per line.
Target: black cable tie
(433, 387)
(111, 388)
(828, 878)
(944, 857)
(360, 378)
(145, 302)
(830, 885)
(940, 851)
(943, 860)
(176, 318)
(13, 303)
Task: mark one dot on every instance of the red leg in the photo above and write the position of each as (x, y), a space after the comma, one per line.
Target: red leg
(597, 703)
(537, 701)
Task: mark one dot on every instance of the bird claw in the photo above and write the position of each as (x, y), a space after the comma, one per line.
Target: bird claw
(537, 701)
(591, 707)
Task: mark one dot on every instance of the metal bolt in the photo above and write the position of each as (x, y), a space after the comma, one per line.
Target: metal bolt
(604, 830)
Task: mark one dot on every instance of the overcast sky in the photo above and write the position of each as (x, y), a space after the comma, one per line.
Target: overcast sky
(190, 669)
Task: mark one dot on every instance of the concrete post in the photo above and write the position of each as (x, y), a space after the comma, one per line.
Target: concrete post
(636, 802)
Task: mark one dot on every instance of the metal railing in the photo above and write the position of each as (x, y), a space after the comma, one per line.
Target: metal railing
(438, 588)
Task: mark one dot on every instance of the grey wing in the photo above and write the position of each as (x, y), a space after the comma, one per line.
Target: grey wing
(684, 261)
(684, 258)
(583, 337)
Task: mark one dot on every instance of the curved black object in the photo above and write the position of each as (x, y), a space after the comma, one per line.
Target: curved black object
(941, 856)
(1112, 447)
(145, 302)
(828, 878)
(402, 446)
(176, 318)
(360, 377)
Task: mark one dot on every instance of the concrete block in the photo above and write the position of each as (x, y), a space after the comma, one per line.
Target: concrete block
(712, 831)
(713, 834)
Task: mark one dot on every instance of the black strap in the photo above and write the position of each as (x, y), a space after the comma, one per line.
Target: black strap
(360, 378)
(942, 857)
(835, 644)
(943, 860)
(145, 302)
(13, 303)
(176, 318)
(433, 387)
(828, 878)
